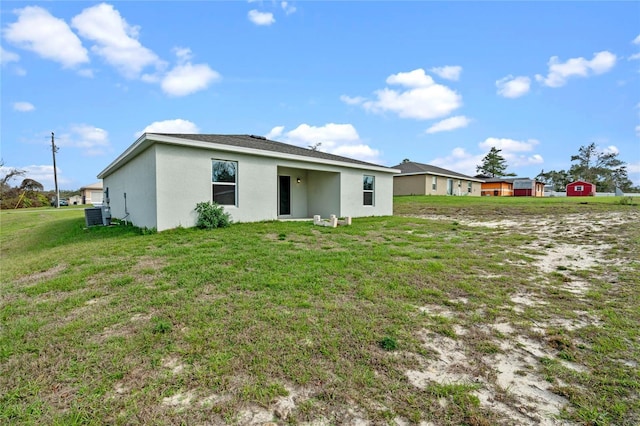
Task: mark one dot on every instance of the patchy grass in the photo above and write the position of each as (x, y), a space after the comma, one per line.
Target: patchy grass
(289, 322)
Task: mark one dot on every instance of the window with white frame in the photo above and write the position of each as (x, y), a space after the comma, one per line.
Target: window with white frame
(469, 187)
(434, 183)
(224, 182)
(368, 188)
(579, 188)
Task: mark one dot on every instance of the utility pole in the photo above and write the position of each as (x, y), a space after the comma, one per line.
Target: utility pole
(54, 149)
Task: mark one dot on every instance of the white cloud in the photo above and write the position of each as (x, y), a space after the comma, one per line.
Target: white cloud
(23, 106)
(415, 78)
(449, 72)
(7, 57)
(338, 139)
(91, 140)
(636, 40)
(508, 145)
(511, 150)
(611, 149)
(465, 162)
(274, 133)
(357, 100)
(87, 73)
(459, 161)
(559, 72)
(449, 124)
(261, 18)
(40, 173)
(116, 40)
(187, 78)
(634, 57)
(513, 87)
(170, 126)
(638, 131)
(44, 175)
(422, 100)
(49, 37)
(360, 151)
(288, 9)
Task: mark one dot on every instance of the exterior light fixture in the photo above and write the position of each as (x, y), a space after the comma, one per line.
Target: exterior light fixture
(298, 180)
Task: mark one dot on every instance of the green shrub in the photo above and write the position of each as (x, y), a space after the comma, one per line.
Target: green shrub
(211, 215)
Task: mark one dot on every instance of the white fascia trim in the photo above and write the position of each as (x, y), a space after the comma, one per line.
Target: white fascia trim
(133, 150)
(443, 175)
(150, 138)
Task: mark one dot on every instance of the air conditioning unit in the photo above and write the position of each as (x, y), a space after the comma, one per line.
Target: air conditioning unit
(93, 216)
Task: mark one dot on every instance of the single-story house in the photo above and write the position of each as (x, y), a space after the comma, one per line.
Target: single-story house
(581, 188)
(159, 179)
(75, 200)
(512, 187)
(424, 179)
(92, 194)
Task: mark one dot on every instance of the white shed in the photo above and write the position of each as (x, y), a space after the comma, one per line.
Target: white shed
(157, 181)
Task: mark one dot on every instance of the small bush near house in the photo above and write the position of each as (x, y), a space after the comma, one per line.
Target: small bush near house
(211, 215)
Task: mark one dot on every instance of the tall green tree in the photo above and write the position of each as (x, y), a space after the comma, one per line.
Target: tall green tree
(557, 179)
(603, 168)
(493, 164)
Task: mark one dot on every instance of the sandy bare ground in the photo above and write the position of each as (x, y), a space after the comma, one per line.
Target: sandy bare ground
(508, 382)
(569, 242)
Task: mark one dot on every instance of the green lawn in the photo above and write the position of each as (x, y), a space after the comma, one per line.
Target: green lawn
(118, 326)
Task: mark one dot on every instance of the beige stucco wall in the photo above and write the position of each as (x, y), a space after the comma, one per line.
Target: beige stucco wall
(137, 179)
(422, 184)
(352, 194)
(184, 179)
(165, 182)
(323, 193)
(409, 185)
(299, 206)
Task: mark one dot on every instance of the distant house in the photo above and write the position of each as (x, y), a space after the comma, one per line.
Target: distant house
(159, 179)
(512, 187)
(424, 179)
(92, 194)
(497, 187)
(75, 200)
(581, 188)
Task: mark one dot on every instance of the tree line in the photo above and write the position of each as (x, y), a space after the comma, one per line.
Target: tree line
(602, 168)
(29, 193)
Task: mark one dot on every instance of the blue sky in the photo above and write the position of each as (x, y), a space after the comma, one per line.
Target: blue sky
(435, 82)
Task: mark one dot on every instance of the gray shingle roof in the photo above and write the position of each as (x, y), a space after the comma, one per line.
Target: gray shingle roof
(412, 167)
(259, 142)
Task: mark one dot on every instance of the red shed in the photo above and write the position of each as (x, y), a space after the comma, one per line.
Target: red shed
(581, 188)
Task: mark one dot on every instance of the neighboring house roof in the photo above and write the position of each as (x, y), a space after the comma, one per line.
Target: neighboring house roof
(413, 168)
(249, 144)
(509, 180)
(97, 185)
(580, 182)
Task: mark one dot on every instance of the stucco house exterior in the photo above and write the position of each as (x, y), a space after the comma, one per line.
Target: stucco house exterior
(424, 179)
(159, 179)
(91, 194)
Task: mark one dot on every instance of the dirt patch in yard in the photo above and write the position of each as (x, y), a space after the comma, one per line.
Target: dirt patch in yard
(512, 383)
(41, 275)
